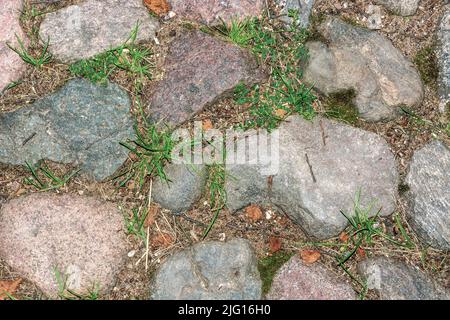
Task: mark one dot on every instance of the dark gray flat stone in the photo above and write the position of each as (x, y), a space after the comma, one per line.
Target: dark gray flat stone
(81, 124)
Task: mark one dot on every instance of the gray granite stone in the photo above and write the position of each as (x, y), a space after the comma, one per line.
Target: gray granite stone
(209, 271)
(429, 182)
(358, 59)
(323, 164)
(83, 30)
(395, 280)
(81, 124)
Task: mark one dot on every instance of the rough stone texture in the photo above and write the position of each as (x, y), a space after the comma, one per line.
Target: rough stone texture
(78, 236)
(429, 182)
(213, 12)
(298, 281)
(367, 62)
(210, 271)
(81, 124)
(374, 22)
(184, 189)
(199, 70)
(11, 65)
(401, 7)
(343, 160)
(395, 280)
(443, 55)
(91, 27)
(304, 8)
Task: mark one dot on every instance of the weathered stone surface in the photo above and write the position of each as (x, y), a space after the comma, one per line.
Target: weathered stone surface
(395, 280)
(42, 234)
(429, 182)
(298, 281)
(91, 27)
(199, 70)
(304, 8)
(184, 188)
(401, 7)
(215, 11)
(81, 124)
(374, 21)
(209, 271)
(11, 65)
(443, 55)
(366, 62)
(322, 166)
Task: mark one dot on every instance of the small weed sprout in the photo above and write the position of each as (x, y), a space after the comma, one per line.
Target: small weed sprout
(44, 58)
(217, 193)
(135, 223)
(68, 294)
(43, 179)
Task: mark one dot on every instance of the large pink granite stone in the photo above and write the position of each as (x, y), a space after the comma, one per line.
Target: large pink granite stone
(11, 65)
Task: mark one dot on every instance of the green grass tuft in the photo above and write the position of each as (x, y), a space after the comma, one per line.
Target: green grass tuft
(217, 193)
(282, 51)
(43, 179)
(129, 57)
(135, 223)
(44, 58)
(68, 294)
(152, 149)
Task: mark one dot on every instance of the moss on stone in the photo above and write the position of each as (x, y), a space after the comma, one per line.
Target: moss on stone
(426, 63)
(268, 266)
(340, 106)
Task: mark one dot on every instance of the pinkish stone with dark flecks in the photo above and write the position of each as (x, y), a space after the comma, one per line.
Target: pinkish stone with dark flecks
(216, 11)
(200, 69)
(80, 237)
(11, 65)
(298, 281)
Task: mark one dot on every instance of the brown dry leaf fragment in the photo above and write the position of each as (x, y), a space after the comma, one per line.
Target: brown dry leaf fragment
(274, 244)
(253, 213)
(8, 288)
(361, 253)
(151, 216)
(162, 240)
(207, 124)
(344, 237)
(281, 113)
(160, 7)
(20, 192)
(309, 256)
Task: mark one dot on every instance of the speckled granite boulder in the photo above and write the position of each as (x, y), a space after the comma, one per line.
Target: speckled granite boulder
(443, 55)
(401, 7)
(298, 281)
(81, 238)
(429, 183)
(184, 188)
(395, 280)
(365, 61)
(214, 11)
(81, 124)
(209, 271)
(323, 164)
(83, 30)
(200, 69)
(11, 65)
